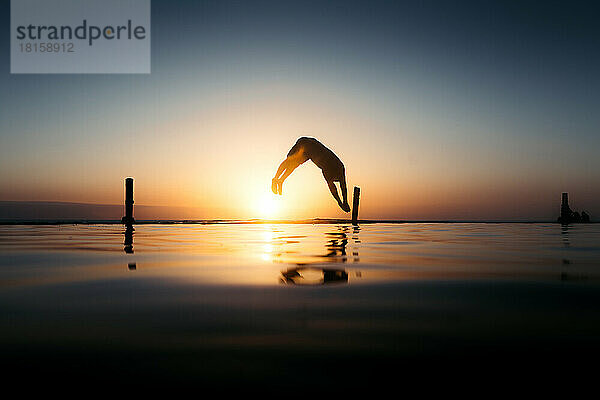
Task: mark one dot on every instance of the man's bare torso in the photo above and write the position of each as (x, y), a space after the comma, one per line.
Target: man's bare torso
(323, 157)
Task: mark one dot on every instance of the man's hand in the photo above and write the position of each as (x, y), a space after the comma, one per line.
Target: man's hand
(276, 185)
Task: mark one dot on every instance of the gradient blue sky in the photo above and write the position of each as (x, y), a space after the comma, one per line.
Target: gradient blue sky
(452, 110)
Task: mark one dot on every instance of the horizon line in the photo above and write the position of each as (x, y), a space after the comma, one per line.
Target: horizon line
(261, 221)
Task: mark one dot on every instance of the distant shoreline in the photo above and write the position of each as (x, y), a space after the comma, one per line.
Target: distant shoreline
(261, 221)
(65, 213)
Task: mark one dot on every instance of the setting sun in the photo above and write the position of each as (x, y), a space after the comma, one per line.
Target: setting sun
(268, 206)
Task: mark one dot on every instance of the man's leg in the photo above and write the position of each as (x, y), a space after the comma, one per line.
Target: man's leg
(344, 189)
(344, 206)
(334, 191)
(340, 177)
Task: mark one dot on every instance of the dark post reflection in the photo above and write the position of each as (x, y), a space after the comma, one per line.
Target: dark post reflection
(128, 239)
(356, 239)
(564, 231)
(568, 274)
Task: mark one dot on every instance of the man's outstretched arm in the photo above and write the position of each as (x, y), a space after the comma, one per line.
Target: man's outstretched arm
(286, 167)
(282, 167)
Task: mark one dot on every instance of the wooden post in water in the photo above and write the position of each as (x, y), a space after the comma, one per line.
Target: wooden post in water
(128, 218)
(355, 200)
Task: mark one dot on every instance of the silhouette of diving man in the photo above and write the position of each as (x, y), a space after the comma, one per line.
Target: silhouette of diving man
(305, 149)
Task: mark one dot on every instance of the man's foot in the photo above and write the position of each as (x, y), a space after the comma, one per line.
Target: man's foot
(280, 186)
(274, 186)
(345, 207)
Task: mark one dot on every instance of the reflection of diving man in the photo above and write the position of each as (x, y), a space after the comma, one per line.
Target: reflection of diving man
(295, 276)
(311, 149)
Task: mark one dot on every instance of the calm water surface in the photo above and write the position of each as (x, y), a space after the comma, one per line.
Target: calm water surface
(258, 305)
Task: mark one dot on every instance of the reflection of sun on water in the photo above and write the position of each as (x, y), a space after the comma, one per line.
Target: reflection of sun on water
(268, 206)
(268, 245)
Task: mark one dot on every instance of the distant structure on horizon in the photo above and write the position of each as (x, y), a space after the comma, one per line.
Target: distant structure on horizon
(568, 216)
